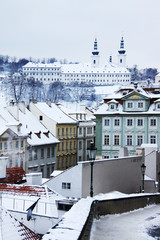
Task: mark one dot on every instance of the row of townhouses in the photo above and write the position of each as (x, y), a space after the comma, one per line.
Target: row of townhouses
(93, 72)
(128, 118)
(43, 136)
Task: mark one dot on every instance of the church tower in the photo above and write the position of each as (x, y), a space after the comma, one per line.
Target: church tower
(122, 55)
(95, 55)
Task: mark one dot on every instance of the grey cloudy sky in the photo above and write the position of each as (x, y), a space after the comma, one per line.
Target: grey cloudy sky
(67, 28)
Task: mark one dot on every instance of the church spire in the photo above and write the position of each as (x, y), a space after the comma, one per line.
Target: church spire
(95, 55)
(121, 50)
(95, 51)
(122, 54)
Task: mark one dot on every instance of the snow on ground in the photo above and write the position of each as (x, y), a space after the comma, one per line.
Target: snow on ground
(131, 225)
(107, 89)
(74, 220)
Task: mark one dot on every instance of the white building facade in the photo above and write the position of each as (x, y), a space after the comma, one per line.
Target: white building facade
(93, 72)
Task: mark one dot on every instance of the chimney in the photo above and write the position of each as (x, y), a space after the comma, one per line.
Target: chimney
(13, 109)
(30, 134)
(33, 101)
(48, 102)
(46, 134)
(38, 134)
(22, 107)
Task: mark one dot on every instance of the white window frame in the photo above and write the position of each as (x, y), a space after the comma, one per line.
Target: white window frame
(139, 139)
(129, 119)
(140, 125)
(118, 121)
(116, 140)
(107, 120)
(153, 122)
(151, 139)
(140, 102)
(129, 105)
(106, 139)
(129, 139)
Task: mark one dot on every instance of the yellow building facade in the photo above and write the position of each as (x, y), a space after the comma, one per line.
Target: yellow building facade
(67, 148)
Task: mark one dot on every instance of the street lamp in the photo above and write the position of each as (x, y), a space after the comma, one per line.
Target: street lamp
(92, 153)
(143, 169)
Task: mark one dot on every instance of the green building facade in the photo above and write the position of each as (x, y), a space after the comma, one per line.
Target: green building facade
(128, 121)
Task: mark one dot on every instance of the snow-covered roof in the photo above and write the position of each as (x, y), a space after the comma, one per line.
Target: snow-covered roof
(11, 228)
(42, 65)
(55, 113)
(87, 68)
(103, 109)
(39, 134)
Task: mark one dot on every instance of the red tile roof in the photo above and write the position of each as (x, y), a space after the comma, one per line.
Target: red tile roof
(23, 189)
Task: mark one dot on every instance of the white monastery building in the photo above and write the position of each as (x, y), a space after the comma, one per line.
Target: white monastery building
(92, 72)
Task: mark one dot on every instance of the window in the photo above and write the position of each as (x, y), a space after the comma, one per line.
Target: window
(153, 139)
(140, 104)
(158, 105)
(139, 122)
(0, 145)
(112, 106)
(62, 146)
(106, 139)
(58, 146)
(21, 163)
(66, 131)
(116, 140)
(129, 122)
(70, 145)
(89, 130)
(152, 122)
(58, 132)
(22, 144)
(5, 145)
(107, 122)
(11, 145)
(16, 162)
(139, 140)
(62, 131)
(52, 151)
(70, 131)
(80, 145)
(129, 140)
(129, 105)
(66, 185)
(116, 122)
(17, 144)
(80, 131)
(74, 144)
(48, 152)
(42, 152)
(35, 154)
(40, 118)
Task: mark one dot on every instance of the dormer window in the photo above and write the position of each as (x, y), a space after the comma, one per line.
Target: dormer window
(130, 104)
(112, 106)
(158, 106)
(140, 104)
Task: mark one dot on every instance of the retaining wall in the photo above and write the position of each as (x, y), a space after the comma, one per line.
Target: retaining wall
(104, 207)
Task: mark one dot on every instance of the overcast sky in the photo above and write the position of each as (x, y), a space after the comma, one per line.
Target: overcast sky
(67, 28)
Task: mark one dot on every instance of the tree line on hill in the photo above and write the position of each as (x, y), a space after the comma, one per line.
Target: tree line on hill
(20, 88)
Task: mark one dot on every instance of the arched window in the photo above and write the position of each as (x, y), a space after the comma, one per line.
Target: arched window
(94, 62)
(120, 60)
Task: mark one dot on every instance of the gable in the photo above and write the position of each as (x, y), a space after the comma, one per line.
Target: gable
(135, 95)
(8, 133)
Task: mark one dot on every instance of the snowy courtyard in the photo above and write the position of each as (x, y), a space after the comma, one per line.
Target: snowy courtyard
(139, 224)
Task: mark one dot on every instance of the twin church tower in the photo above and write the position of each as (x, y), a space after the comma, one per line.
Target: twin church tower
(121, 55)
